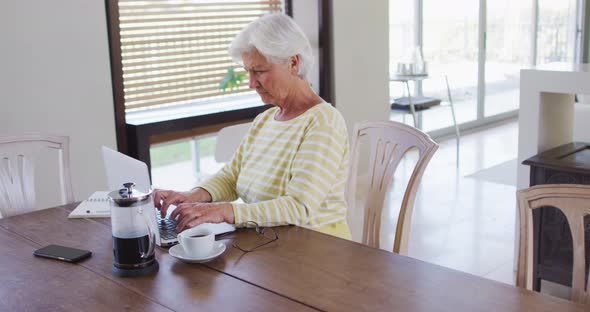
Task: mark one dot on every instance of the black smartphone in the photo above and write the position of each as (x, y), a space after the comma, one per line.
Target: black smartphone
(62, 253)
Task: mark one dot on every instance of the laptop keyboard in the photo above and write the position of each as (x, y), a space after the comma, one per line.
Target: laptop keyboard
(167, 227)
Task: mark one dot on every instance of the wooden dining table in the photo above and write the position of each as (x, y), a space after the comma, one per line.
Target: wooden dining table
(303, 270)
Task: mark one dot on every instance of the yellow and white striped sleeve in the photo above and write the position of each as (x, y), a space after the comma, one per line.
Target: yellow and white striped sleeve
(313, 174)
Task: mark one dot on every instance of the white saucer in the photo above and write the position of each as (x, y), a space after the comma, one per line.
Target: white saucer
(177, 252)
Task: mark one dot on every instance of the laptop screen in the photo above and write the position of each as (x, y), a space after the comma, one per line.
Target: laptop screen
(121, 168)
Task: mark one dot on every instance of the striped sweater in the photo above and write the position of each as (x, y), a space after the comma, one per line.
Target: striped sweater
(289, 172)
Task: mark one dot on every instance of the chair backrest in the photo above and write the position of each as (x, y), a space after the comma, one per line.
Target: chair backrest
(574, 202)
(17, 179)
(228, 140)
(389, 141)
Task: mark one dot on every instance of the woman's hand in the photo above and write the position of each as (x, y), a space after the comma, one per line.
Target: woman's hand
(193, 214)
(164, 198)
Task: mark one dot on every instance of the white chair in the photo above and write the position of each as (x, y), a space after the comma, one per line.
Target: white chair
(228, 141)
(389, 141)
(574, 202)
(17, 177)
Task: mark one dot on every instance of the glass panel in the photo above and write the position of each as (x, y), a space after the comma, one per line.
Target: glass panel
(557, 30)
(451, 48)
(402, 29)
(508, 49)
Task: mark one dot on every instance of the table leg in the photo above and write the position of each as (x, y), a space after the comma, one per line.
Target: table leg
(412, 108)
(457, 135)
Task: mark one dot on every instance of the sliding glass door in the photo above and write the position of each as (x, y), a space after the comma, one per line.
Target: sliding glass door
(450, 45)
(402, 39)
(508, 47)
(556, 37)
(481, 45)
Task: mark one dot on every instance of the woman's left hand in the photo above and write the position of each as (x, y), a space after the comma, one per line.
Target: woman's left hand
(193, 214)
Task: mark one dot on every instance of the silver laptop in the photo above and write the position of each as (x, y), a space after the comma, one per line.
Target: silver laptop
(121, 168)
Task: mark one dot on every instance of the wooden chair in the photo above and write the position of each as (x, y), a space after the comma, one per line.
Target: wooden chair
(574, 202)
(17, 179)
(389, 141)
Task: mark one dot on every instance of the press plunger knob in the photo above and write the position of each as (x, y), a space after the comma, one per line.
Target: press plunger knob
(129, 186)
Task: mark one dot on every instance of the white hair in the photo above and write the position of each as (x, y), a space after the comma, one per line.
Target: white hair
(277, 37)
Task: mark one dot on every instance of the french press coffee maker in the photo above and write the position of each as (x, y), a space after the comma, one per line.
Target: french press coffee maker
(133, 237)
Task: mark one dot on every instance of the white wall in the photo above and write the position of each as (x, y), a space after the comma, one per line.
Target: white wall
(55, 78)
(361, 59)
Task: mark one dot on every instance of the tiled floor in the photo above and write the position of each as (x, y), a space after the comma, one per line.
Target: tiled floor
(458, 222)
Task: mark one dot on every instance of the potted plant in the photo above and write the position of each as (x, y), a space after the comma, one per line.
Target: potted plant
(231, 79)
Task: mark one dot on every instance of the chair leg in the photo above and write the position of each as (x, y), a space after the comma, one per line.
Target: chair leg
(457, 134)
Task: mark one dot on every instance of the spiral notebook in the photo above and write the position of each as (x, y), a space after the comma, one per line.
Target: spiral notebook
(96, 206)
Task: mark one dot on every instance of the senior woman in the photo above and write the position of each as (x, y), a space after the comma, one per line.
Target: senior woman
(292, 165)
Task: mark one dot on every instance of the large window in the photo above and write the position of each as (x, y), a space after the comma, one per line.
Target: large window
(481, 46)
(508, 49)
(175, 52)
(451, 48)
(401, 30)
(557, 31)
(168, 58)
(402, 41)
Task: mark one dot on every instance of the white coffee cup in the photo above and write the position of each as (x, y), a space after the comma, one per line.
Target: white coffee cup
(196, 242)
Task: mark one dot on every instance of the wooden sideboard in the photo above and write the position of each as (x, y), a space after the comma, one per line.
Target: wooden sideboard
(553, 251)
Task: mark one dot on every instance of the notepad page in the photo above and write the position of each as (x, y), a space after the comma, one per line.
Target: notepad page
(96, 206)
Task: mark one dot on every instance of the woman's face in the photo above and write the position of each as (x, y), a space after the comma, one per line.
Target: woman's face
(271, 81)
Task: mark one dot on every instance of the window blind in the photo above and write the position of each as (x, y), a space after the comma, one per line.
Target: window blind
(174, 52)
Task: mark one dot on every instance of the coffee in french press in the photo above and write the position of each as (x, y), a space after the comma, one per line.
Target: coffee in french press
(133, 235)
